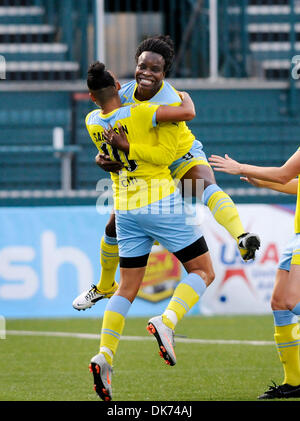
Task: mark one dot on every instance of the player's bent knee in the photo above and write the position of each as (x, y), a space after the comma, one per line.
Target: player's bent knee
(210, 277)
(290, 303)
(278, 302)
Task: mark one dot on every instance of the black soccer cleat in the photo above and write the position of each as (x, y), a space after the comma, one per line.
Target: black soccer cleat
(248, 244)
(283, 391)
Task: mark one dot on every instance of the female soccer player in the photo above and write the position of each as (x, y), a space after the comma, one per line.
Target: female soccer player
(285, 301)
(148, 207)
(154, 58)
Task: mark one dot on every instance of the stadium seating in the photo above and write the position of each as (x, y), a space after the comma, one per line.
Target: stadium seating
(257, 125)
(29, 121)
(33, 46)
(273, 34)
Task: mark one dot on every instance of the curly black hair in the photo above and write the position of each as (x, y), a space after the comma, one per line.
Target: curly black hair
(99, 77)
(160, 44)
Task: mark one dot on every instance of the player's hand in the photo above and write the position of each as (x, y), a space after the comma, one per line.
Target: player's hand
(181, 94)
(104, 162)
(185, 97)
(226, 164)
(118, 140)
(251, 180)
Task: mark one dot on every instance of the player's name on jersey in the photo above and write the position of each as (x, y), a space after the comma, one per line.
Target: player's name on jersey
(99, 136)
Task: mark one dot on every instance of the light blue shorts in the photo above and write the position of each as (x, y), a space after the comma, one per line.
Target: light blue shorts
(291, 254)
(165, 221)
(195, 156)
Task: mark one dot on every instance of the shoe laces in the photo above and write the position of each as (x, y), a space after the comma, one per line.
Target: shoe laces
(92, 292)
(275, 387)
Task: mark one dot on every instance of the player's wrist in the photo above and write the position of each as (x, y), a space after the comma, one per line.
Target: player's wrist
(241, 169)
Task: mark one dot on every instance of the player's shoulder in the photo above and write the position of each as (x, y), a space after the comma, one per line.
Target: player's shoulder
(127, 88)
(145, 107)
(92, 117)
(168, 94)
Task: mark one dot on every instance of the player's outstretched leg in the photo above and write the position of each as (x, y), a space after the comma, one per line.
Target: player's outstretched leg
(226, 214)
(220, 204)
(248, 244)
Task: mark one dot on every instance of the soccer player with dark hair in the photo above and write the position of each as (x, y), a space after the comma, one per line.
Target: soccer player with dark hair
(154, 59)
(148, 207)
(285, 301)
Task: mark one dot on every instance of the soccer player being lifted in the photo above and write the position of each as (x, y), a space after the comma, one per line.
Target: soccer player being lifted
(149, 209)
(154, 58)
(285, 301)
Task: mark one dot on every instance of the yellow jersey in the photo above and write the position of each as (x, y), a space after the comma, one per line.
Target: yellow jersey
(167, 95)
(145, 177)
(297, 213)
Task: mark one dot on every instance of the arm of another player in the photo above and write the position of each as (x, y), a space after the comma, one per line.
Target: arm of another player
(289, 188)
(282, 175)
(161, 154)
(184, 112)
(164, 153)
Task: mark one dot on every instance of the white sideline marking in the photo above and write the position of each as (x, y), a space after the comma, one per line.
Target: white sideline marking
(137, 338)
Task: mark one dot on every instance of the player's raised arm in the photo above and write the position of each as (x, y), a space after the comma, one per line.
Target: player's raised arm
(184, 112)
(282, 175)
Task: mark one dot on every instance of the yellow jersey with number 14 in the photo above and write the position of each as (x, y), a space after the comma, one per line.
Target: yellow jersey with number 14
(141, 182)
(297, 213)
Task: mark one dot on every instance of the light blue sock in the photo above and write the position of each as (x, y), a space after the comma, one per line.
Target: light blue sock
(296, 309)
(118, 304)
(196, 282)
(110, 240)
(209, 191)
(284, 317)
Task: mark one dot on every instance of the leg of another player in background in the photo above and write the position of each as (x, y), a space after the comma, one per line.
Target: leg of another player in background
(287, 334)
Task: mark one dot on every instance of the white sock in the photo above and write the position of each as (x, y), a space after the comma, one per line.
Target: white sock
(171, 315)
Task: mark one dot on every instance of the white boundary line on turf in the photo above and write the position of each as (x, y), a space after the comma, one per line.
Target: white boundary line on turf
(137, 338)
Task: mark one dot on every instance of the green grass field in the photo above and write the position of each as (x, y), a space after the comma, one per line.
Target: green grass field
(55, 368)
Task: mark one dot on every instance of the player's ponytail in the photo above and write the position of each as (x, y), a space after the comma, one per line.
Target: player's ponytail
(99, 77)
